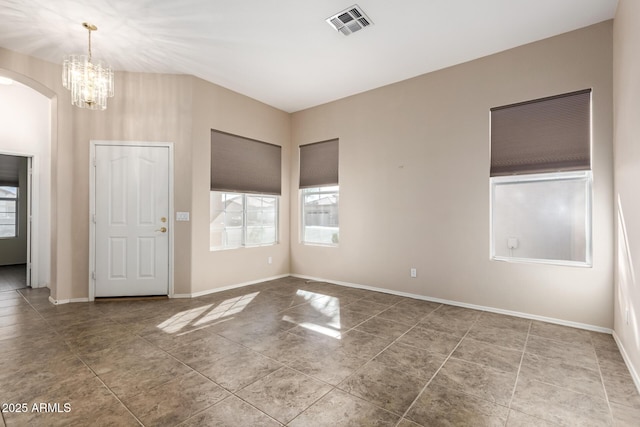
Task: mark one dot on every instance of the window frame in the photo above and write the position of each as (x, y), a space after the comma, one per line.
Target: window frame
(319, 191)
(586, 175)
(16, 202)
(244, 225)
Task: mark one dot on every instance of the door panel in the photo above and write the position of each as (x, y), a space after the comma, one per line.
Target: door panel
(132, 204)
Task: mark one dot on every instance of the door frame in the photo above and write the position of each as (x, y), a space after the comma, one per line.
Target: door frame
(33, 212)
(92, 206)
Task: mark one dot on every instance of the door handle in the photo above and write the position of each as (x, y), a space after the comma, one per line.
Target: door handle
(162, 229)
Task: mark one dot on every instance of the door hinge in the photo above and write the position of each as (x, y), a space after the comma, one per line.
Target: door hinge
(93, 275)
(94, 162)
(93, 218)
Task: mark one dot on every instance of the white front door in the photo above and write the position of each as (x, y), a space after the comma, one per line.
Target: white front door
(131, 220)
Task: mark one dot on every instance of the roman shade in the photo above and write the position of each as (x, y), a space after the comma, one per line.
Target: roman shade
(545, 135)
(319, 164)
(244, 165)
(10, 170)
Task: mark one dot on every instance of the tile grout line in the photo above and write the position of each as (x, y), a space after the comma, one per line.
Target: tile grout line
(231, 393)
(435, 373)
(515, 384)
(606, 394)
(79, 357)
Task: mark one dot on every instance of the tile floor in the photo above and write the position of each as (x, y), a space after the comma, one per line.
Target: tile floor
(287, 352)
(13, 277)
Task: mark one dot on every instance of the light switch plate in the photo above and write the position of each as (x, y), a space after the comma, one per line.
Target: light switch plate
(182, 216)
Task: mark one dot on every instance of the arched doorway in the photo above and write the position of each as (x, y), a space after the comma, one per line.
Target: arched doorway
(26, 133)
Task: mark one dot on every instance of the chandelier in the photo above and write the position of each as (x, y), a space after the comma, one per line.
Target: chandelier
(90, 81)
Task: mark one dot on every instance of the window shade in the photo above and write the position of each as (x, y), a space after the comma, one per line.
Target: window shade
(244, 165)
(319, 164)
(545, 135)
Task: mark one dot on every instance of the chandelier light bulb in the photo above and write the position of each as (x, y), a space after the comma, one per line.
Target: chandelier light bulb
(90, 81)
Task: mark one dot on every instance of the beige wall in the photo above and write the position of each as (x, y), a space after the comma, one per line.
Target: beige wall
(626, 68)
(25, 129)
(152, 107)
(45, 78)
(217, 108)
(414, 182)
(419, 146)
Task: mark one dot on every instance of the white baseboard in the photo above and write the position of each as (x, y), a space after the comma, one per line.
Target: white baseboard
(66, 301)
(465, 305)
(226, 288)
(627, 361)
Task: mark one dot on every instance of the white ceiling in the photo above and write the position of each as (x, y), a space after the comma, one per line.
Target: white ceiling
(282, 52)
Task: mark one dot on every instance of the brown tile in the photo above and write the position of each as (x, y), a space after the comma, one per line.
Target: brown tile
(205, 351)
(437, 342)
(175, 400)
(284, 394)
(383, 386)
(518, 419)
(577, 354)
(30, 375)
(253, 331)
(383, 328)
(238, 369)
(514, 340)
(562, 374)
(611, 362)
(409, 312)
(362, 344)
(10, 295)
(89, 403)
(622, 390)
(338, 408)
(625, 416)
(455, 321)
(407, 423)
(560, 333)
(381, 298)
(484, 382)
(331, 365)
(231, 412)
(350, 316)
(559, 405)
(502, 321)
(604, 341)
(368, 307)
(489, 355)
(412, 360)
(238, 337)
(441, 406)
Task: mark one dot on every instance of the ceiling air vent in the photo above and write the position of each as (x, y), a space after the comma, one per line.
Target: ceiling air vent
(349, 20)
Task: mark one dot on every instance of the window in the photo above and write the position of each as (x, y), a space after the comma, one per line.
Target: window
(239, 219)
(320, 215)
(245, 190)
(542, 217)
(541, 180)
(8, 212)
(319, 193)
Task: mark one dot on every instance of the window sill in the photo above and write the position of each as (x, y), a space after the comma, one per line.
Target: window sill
(543, 261)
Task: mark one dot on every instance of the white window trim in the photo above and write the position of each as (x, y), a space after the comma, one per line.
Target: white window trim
(555, 176)
(302, 216)
(16, 200)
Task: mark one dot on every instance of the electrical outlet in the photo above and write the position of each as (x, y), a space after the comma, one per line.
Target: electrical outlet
(414, 272)
(270, 260)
